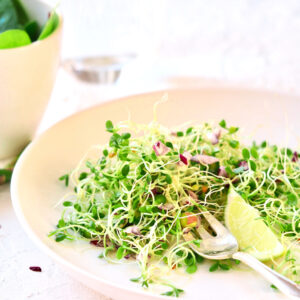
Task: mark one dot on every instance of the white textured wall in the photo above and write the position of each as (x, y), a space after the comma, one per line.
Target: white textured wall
(254, 40)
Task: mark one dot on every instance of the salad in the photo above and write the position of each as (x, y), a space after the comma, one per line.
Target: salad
(148, 183)
(18, 29)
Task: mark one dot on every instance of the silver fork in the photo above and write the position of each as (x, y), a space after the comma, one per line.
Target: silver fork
(224, 245)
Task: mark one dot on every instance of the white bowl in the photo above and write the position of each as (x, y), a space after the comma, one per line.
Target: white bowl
(35, 187)
(27, 76)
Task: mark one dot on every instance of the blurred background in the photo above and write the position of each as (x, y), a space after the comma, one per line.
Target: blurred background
(176, 44)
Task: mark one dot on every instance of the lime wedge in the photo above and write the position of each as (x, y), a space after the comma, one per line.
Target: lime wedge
(252, 234)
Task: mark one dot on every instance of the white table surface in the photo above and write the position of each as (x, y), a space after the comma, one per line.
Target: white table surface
(253, 43)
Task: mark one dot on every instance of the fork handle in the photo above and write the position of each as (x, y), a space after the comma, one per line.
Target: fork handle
(285, 285)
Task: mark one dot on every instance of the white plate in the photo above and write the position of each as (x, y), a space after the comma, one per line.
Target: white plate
(35, 187)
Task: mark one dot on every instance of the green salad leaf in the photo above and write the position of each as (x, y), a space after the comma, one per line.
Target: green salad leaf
(50, 26)
(33, 30)
(8, 16)
(13, 17)
(14, 38)
(20, 11)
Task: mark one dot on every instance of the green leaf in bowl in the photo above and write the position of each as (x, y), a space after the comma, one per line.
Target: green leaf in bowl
(8, 16)
(21, 12)
(50, 26)
(14, 38)
(33, 30)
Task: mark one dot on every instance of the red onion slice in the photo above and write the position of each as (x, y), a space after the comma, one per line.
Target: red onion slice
(205, 159)
(133, 229)
(244, 164)
(35, 269)
(97, 243)
(222, 172)
(185, 157)
(215, 136)
(193, 195)
(295, 157)
(166, 206)
(160, 148)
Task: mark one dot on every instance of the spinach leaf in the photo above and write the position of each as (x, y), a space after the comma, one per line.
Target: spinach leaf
(8, 16)
(14, 38)
(33, 30)
(21, 12)
(12, 15)
(50, 26)
(14, 18)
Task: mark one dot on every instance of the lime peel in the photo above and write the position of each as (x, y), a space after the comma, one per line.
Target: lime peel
(252, 234)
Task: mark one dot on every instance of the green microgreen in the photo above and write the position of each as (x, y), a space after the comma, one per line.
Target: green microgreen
(223, 124)
(159, 199)
(232, 129)
(254, 152)
(191, 269)
(234, 143)
(60, 237)
(125, 170)
(65, 178)
(132, 199)
(109, 126)
(246, 154)
(219, 265)
(292, 199)
(175, 292)
(252, 165)
(121, 252)
(274, 287)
